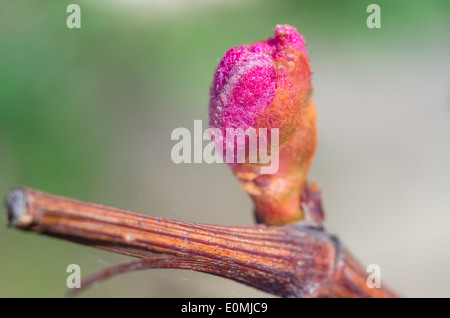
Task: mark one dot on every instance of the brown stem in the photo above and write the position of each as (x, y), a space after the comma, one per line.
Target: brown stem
(296, 260)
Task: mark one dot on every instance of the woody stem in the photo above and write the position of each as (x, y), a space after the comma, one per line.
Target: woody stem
(288, 261)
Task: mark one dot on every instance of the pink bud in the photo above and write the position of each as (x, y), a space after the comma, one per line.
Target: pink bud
(268, 85)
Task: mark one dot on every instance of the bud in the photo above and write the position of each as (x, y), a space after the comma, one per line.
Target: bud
(268, 85)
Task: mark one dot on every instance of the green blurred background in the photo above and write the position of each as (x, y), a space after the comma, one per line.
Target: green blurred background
(87, 113)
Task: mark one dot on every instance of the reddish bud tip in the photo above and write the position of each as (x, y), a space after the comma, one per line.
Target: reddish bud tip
(268, 85)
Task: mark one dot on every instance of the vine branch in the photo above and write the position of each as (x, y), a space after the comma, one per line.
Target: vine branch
(296, 260)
